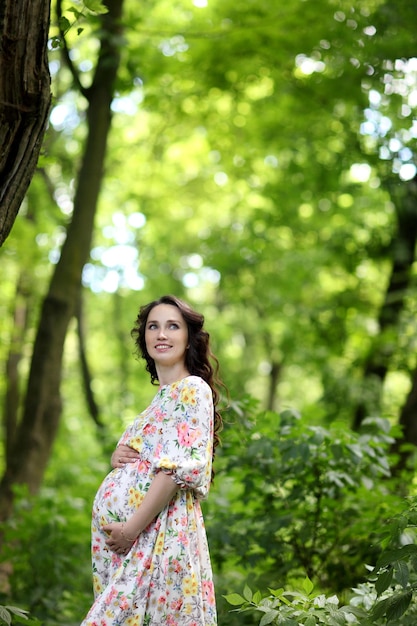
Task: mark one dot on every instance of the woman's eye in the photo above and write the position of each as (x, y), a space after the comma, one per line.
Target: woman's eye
(174, 326)
(152, 326)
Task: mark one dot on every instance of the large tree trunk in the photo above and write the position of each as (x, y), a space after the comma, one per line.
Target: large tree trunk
(403, 255)
(42, 409)
(24, 99)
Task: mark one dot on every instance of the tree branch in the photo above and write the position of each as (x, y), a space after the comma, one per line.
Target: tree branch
(66, 55)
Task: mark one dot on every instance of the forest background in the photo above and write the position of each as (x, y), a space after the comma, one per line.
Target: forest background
(256, 159)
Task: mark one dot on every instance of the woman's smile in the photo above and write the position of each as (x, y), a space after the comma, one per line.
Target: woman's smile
(162, 347)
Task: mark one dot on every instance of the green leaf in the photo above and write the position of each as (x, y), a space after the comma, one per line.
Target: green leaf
(384, 580)
(257, 597)
(234, 599)
(395, 555)
(307, 586)
(95, 6)
(247, 593)
(17, 611)
(64, 24)
(398, 605)
(55, 42)
(75, 12)
(402, 573)
(268, 618)
(5, 615)
(277, 593)
(379, 609)
(11, 614)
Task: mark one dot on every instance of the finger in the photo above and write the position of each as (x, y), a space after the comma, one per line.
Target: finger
(131, 453)
(122, 460)
(127, 452)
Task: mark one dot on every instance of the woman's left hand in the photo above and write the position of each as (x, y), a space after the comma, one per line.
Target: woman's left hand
(116, 541)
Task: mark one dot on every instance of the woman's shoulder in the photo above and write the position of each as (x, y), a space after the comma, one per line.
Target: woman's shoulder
(194, 381)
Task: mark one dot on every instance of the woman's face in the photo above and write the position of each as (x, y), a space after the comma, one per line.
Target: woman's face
(166, 335)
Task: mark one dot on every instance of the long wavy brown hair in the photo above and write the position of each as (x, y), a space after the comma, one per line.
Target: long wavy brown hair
(199, 359)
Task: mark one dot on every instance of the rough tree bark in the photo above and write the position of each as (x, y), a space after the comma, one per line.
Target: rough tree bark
(25, 99)
(42, 410)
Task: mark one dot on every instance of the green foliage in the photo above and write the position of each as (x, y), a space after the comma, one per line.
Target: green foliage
(288, 486)
(389, 596)
(80, 16)
(95, 6)
(395, 573)
(12, 614)
(47, 546)
(291, 608)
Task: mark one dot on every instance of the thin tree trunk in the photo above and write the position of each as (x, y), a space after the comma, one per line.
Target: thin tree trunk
(93, 407)
(12, 396)
(404, 445)
(403, 252)
(42, 408)
(25, 99)
(273, 385)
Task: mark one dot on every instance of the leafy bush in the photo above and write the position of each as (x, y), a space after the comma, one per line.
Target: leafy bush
(389, 597)
(394, 576)
(47, 540)
(47, 545)
(293, 500)
(300, 500)
(295, 607)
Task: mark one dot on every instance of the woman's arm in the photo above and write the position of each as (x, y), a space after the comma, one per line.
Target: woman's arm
(123, 534)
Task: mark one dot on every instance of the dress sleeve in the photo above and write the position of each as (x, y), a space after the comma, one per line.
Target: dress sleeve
(186, 445)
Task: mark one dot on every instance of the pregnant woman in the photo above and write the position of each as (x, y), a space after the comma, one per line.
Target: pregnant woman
(151, 564)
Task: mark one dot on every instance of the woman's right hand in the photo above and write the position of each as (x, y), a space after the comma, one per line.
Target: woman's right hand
(122, 455)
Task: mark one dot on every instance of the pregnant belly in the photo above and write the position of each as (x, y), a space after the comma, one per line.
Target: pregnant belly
(119, 495)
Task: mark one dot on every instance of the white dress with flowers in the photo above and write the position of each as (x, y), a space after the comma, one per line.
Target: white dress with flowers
(166, 578)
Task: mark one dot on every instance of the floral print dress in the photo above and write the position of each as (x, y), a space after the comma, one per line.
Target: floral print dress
(166, 579)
